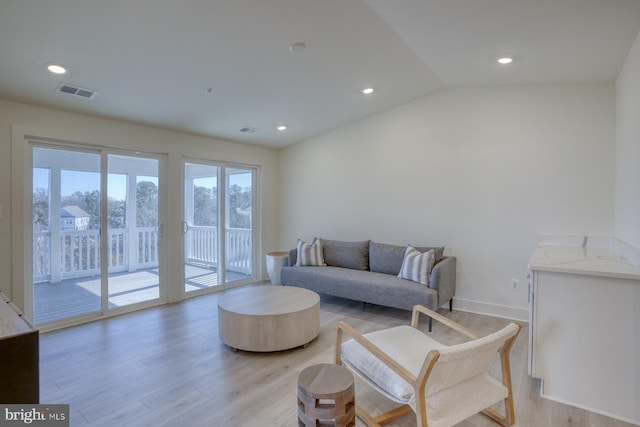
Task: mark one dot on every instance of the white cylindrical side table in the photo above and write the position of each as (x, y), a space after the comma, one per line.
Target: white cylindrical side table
(275, 262)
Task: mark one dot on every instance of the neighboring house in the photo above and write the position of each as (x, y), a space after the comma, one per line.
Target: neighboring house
(73, 218)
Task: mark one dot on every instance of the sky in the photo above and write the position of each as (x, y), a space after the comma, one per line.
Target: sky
(72, 181)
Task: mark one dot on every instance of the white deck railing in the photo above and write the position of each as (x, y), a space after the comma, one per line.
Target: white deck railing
(79, 251)
(201, 247)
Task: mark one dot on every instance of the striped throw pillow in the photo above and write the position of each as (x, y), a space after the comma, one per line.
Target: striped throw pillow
(310, 255)
(417, 266)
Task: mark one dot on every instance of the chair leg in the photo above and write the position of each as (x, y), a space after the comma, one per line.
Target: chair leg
(430, 323)
(451, 304)
(497, 417)
(393, 414)
(509, 417)
(364, 416)
(382, 419)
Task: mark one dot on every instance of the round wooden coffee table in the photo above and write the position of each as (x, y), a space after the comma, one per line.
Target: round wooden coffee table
(268, 318)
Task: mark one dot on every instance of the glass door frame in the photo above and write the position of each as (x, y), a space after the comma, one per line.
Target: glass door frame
(222, 224)
(104, 152)
(205, 276)
(162, 270)
(66, 247)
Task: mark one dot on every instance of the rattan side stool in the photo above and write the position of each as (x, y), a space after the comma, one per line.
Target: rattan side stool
(326, 396)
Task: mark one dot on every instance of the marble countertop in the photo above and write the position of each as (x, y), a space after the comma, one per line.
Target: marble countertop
(593, 261)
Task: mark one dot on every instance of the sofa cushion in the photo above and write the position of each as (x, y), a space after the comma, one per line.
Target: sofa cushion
(438, 252)
(353, 255)
(416, 265)
(385, 258)
(359, 285)
(309, 255)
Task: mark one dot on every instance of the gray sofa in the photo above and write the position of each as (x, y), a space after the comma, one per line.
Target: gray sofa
(367, 271)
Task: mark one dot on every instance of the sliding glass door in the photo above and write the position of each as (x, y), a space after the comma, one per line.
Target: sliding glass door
(200, 226)
(133, 230)
(67, 215)
(96, 231)
(218, 225)
(238, 223)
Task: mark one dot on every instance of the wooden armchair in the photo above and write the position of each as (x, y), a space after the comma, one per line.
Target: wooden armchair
(442, 384)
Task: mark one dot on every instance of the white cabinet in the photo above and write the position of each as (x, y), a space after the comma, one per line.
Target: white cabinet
(585, 329)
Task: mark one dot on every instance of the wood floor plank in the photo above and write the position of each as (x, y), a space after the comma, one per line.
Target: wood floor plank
(167, 366)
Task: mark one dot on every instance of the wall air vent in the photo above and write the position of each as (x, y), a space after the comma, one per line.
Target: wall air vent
(248, 129)
(76, 91)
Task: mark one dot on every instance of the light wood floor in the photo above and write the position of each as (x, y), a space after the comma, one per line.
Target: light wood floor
(166, 366)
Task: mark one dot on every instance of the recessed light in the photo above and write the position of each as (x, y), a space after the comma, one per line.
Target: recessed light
(281, 127)
(55, 68)
(367, 91)
(505, 60)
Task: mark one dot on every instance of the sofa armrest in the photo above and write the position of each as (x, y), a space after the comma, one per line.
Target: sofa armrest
(293, 255)
(443, 279)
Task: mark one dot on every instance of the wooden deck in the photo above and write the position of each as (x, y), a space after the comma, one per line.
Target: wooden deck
(76, 297)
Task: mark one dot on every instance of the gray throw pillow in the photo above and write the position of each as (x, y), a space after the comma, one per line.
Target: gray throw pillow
(385, 258)
(417, 265)
(309, 255)
(353, 255)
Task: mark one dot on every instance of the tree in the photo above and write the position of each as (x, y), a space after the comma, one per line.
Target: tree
(40, 210)
(239, 204)
(205, 206)
(146, 204)
(116, 213)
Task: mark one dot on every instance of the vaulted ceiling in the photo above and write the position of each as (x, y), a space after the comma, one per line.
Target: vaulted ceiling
(214, 67)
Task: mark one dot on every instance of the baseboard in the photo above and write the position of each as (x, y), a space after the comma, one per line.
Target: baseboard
(495, 310)
(590, 409)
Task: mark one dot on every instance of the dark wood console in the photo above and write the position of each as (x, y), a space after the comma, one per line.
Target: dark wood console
(19, 356)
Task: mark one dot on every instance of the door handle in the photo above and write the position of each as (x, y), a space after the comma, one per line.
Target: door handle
(185, 228)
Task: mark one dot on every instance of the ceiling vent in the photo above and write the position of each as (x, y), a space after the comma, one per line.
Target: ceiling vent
(76, 91)
(248, 129)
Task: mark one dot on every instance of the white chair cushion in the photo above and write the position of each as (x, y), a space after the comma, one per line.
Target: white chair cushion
(404, 344)
(457, 387)
(409, 348)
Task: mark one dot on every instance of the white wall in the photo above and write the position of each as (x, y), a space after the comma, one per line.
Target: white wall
(627, 200)
(480, 171)
(116, 134)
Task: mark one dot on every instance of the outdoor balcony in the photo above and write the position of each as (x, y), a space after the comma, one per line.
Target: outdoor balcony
(66, 270)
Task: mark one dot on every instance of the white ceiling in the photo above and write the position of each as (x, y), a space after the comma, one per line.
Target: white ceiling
(152, 61)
